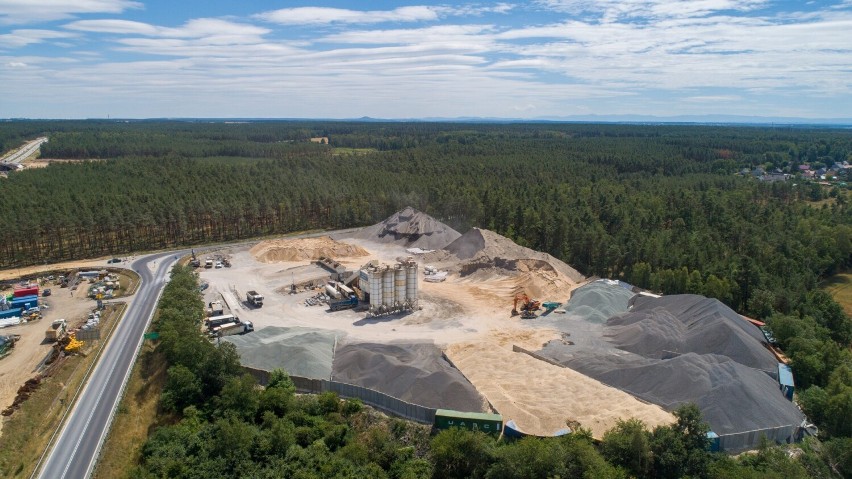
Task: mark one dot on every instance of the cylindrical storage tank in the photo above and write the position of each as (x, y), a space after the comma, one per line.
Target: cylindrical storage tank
(387, 289)
(375, 289)
(329, 289)
(399, 285)
(411, 283)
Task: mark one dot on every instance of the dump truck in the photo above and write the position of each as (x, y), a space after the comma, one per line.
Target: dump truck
(254, 298)
(208, 263)
(57, 330)
(216, 308)
(234, 327)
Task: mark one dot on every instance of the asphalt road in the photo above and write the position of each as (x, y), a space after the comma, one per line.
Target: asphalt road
(24, 152)
(76, 448)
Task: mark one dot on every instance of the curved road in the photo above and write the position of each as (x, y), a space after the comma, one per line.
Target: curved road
(75, 450)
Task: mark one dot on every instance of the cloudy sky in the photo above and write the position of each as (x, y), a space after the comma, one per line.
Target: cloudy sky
(347, 59)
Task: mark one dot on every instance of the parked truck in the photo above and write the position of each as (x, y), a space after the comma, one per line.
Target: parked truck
(254, 298)
(234, 327)
(57, 330)
(216, 321)
(345, 303)
(208, 263)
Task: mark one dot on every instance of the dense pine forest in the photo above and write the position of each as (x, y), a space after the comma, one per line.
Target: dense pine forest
(662, 207)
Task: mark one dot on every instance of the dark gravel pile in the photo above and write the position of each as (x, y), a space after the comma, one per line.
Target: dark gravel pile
(410, 228)
(414, 372)
(689, 323)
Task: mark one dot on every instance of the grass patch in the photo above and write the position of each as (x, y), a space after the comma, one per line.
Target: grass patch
(136, 416)
(28, 430)
(840, 287)
(352, 151)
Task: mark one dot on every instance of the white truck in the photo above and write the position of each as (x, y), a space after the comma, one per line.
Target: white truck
(234, 327)
(57, 330)
(254, 298)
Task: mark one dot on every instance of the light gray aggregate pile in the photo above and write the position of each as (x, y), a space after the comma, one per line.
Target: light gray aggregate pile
(598, 301)
(414, 372)
(689, 323)
(411, 228)
(304, 352)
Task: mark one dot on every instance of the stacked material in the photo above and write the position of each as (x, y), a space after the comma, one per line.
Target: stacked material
(716, 361)
(598, 301)
(483, 256)
(304, 352)
(304, 249)
(413, 372)
(689, 323)
(410, 228)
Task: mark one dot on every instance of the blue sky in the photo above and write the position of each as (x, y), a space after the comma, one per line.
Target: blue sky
(347, 59)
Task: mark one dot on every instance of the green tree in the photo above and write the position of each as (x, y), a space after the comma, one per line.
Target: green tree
(459, 453)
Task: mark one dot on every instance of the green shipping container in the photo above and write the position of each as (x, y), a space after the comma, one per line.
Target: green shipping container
(475, 421)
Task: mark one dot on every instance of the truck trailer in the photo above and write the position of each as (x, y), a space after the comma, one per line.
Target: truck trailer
(216, 321)
(234, 327)
(56, 331)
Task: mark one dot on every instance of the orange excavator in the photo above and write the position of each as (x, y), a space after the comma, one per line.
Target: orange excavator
(528, 306)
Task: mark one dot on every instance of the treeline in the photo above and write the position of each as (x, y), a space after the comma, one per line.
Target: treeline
(220, 424)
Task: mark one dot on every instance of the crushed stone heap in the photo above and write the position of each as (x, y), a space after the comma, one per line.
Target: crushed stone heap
(304, 249)
(689, 323)
(414, 372)
(410, 228)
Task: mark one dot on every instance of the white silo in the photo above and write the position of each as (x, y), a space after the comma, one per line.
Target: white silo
(375, 285)
(411, 283)
(387, 286)
(399, 285)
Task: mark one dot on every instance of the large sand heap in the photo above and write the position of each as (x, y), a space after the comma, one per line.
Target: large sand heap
(414, 372)
(410, 228)
(688, 323)
(304, 249)
(481, 255)
(304, 352)
(541, 397)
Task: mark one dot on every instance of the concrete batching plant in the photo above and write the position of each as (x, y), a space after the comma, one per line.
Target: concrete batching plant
(390, 288)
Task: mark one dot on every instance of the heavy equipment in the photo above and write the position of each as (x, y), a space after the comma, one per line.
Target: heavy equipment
(528, 306)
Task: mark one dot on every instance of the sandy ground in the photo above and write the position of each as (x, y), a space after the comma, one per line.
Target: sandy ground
(32, 348)
(469, 318)
(32, 271)
(543, 398)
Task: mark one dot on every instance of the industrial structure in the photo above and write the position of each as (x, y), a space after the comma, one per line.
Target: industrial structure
(389, 288)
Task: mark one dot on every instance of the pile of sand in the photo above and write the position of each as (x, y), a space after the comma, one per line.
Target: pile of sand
(304, 352)
(414, 372)
(304, 249)
(542, 398)
(410, 228)
(482, 255)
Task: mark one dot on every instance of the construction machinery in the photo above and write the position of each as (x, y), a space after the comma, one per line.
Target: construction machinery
(195, 262)
(57, 330)
(528, 306)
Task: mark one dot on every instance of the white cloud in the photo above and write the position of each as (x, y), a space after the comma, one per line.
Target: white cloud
(24, 37)
(196, 28)
(28, 11)
(613, 10)
(325, 15)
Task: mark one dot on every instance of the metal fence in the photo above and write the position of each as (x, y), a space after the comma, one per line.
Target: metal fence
(742, 441)
(376, 399)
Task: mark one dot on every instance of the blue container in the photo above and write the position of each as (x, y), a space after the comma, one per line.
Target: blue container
(32, 301)
(714, 442)
(10, 313)
(785, 380)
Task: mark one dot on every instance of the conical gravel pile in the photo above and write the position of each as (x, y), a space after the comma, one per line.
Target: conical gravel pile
(411, 228)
